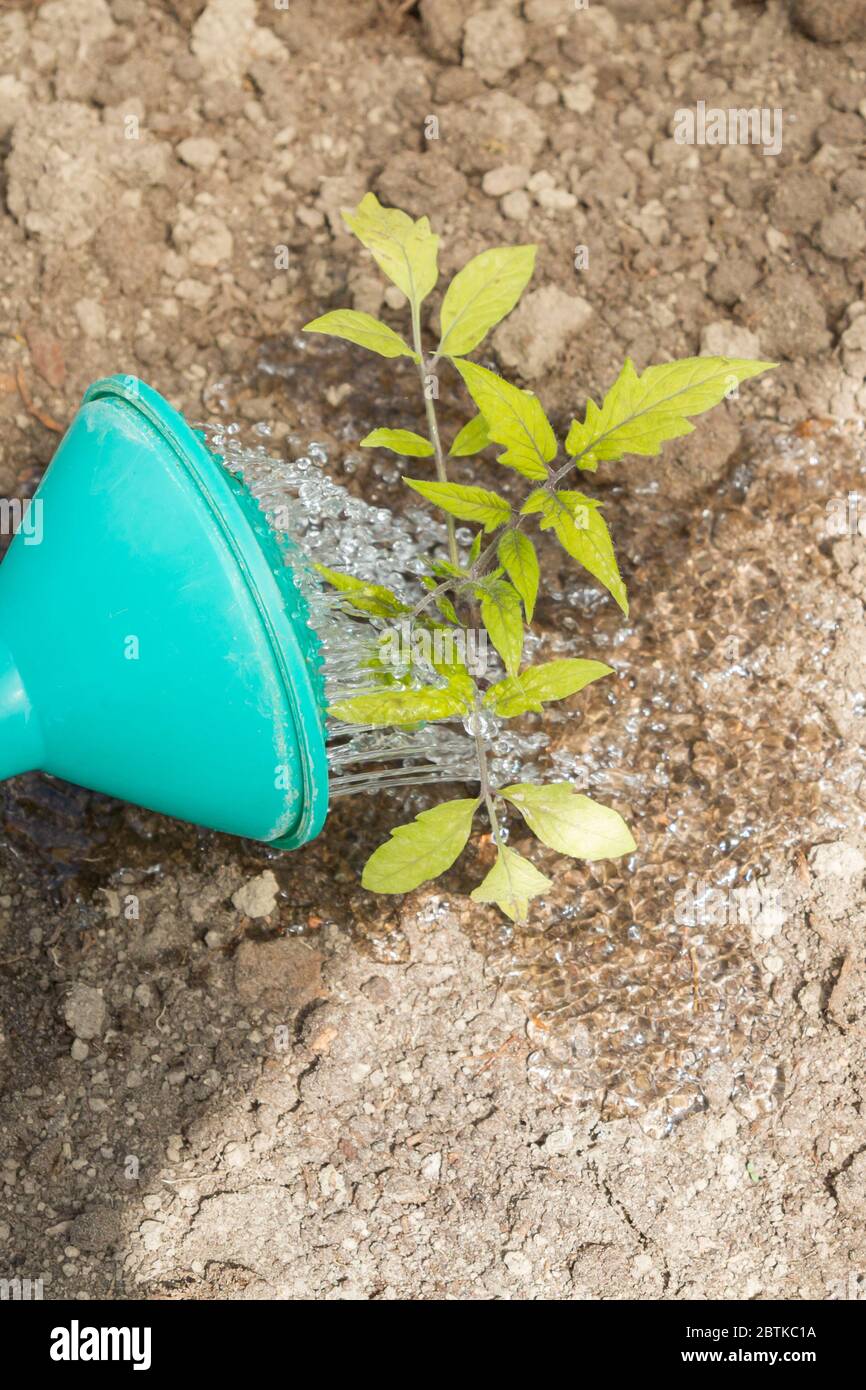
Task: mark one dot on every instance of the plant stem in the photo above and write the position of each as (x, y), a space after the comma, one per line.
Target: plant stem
(484, 778)
(475, 571)
(433, 426)
(430, 597)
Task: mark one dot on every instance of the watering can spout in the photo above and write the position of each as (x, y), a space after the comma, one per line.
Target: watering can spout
(21, 748)
(153, 645)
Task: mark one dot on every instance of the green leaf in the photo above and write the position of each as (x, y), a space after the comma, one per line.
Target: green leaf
(422, 850)
(467, 503)
(518, 558)
(552, 680)
(445, 570)
(640, 412)
(404, 250)
(581, 530)
(405, 442)
(475, 548)
(512, 883)
(447, 609)
(570, 823)
(366, 598)
(442, 601)
(405, 706)
(472, 438)
(481, 294)
(502, 615)
(460, 683)
(514, 418)
(362, 329)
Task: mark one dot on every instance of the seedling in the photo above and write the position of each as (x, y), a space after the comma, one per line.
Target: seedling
(498, 576)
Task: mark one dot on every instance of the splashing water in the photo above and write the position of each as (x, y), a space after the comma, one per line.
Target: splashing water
(329, 526)
(626, 1008)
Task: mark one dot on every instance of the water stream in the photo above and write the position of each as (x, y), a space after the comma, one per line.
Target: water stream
(331, 527)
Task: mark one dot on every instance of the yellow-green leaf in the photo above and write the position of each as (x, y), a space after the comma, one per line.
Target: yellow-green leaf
(367, 598)
(512, 883)
(502, 615)
(581, 530)
(570, 823)
(404, 250)
(517, 557)
(552, 680)
(362, 329)
(472, 438)
(467, 503)
(446, 608)
(514, 418)
(405, 442)
(403, 706)
(421, 850)
(481, 294)
(640, 412)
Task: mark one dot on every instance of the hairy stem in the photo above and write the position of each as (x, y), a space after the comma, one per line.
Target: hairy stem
(433, 426)
(484, 777)
(476, 571)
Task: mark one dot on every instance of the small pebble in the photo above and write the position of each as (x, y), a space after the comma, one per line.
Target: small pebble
(505, 179)
(198, 152)
(516, 206)
(579, 98)
(556, 199)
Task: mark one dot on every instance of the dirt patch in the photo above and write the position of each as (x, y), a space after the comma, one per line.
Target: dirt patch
(216, 1087)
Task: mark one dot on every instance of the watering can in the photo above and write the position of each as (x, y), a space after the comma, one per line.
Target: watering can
(153, 645)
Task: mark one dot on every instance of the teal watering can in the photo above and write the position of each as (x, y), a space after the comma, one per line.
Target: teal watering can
(153, 645)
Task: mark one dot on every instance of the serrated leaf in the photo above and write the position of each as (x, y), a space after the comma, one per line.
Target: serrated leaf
(502, 615)
(467, 503)
(512, 883)
(442, 601)
(518, 558)
(570, 823)
(405, 442)
(404, 250)
(475, 547)
(460, 683)
(421, 850)
(366, 598)
(447, 609)
(640, 412)
(472, 438)
(481, 294)
(581, 530)
(514, 418)
(362, 329)
(535, 502)
(552, 680)
(445, 570)
(406, 706)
